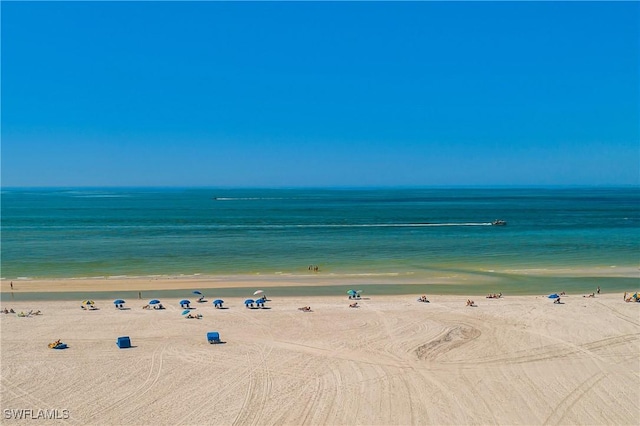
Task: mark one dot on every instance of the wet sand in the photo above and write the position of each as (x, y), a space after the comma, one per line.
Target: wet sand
(454, 278)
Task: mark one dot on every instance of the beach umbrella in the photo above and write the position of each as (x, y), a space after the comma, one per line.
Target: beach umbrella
(553, 296)
(184, 302)
(198, 292)
(88, 302)
(118, 302)
(249, 301)
(351, 292)
(185, 312)
(154, 302)
(218, 302)
(257, 292)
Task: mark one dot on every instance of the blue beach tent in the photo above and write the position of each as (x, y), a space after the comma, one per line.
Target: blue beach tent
(218, 303)
(184, 302)
(123, 342)
(213, 337)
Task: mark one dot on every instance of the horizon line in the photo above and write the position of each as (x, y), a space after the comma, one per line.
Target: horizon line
(329, 187)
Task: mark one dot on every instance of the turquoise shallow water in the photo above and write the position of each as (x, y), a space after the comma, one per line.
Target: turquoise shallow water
(65, 233)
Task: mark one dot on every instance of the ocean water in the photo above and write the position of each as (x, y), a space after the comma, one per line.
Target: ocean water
(67, 233)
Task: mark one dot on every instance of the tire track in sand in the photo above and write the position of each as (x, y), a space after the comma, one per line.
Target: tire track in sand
(8, 386)
(260, 375)
(562, 408)
(155, 369)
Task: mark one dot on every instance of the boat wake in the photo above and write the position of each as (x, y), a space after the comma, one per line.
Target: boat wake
(256, 226)
(402, 225)
(360, 225)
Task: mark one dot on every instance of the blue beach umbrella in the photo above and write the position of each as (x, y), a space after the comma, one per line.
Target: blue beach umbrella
(351, 292)
(218, 302)
(184, 302)
(154, 302)
(185, 312)
(553, 296)
(249, 301)
(198, 292)
(118, 302)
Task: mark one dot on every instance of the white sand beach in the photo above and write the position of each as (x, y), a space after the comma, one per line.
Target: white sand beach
(391, 361)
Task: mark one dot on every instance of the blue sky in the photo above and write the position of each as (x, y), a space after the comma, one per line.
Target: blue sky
(320, 94)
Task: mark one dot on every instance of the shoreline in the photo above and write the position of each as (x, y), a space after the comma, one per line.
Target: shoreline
(522, 282)
(611, 270)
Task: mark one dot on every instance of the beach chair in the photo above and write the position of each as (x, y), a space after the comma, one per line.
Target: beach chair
(213, 337)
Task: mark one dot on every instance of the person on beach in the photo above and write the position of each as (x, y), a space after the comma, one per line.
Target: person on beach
(557, 301)
(598, 290)
(11, 285)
